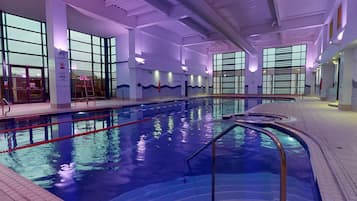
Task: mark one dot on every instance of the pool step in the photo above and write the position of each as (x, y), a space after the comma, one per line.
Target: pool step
(251, 187)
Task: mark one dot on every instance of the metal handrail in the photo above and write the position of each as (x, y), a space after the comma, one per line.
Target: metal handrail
(283, 166)
(4, 101)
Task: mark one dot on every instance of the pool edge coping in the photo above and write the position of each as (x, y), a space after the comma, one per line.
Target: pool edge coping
(17, 187)
(138, 102)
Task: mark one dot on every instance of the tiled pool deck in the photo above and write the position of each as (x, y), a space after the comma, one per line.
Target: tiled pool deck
(334, 130)
(336, 133)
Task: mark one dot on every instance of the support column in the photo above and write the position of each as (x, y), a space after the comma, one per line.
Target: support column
(313, 83)
(134, 72)
(59, 75)
(123, 77)
(347, 64)
(327, 76)
(253, 74)
(128, 73)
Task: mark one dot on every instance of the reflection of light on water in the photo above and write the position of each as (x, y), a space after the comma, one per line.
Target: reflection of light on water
(170, 124)
(141, 147)
(76, 131)
(288, 141)
(184, 132)
(158, 130)
(199, 113)
(208, 117)
(238, 136)
(66, 174)
(267, 142)
(208, 130)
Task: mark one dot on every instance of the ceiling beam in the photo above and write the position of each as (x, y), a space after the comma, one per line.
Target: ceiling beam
(154, 18)
(274, 10)
(98, 8)
(306, 22)
(287, 42)
(204, 11)
(163, 6)
(191, 23)
(163, 34)
(180, 13)
(150, 19)
(198, 39)
(137, 11)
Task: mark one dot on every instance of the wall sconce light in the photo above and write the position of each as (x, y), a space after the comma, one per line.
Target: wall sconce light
(140, 60)
(184, 68)
(340, 35)
(206, 71)
(253, 68)
(338, 39)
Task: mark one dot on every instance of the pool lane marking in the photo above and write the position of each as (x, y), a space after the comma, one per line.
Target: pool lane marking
(75, 135)
(54, 123)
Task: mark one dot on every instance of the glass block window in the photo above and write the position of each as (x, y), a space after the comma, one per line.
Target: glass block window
(229, 73)
(284, 70)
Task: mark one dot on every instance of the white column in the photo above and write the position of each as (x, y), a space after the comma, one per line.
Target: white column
(59, 75)
(327, 76)
(253, 73)
(123, 75)
(348, 62)
(313, 83)
(134, 72)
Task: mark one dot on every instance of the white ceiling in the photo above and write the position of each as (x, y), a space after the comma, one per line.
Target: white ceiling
(77, 20)
(298, 8)
(247, 22)
(243, 13)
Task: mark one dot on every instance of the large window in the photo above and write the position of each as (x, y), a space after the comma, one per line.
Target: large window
(25, 50)
(25, 41)
(23, 47)
(284, 70)
(87, 60)
(229, 73)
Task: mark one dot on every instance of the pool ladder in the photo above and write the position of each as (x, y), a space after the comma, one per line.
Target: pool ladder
(283, 170)
(3, 103)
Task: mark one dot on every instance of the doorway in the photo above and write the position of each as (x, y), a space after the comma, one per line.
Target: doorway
(27, 84)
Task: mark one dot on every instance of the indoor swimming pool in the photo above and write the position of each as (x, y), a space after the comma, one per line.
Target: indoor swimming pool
(142, 155)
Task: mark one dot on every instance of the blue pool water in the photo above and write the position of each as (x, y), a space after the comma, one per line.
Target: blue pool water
(122, 162)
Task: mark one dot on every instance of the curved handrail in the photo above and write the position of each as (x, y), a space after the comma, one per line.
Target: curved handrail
(283, 166)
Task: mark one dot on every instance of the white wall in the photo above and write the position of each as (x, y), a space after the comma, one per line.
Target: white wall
(349, 34)
(162, 63)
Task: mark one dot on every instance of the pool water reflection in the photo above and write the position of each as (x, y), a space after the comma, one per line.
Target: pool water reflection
(103, 165)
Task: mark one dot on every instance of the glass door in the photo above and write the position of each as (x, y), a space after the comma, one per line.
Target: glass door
(27, 84)
(36, 84)
(18, 83)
